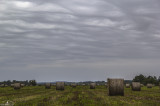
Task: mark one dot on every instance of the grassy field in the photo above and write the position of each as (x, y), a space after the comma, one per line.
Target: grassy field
(79, 96)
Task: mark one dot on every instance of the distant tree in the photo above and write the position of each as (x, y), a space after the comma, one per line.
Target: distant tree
(26, 82)
(14, 81)
(140, 78)
(8, 82)
(159, 79)
(144, 80)
(152, 80)
(33, 82)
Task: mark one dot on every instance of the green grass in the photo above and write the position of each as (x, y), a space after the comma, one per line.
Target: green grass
(79, 96)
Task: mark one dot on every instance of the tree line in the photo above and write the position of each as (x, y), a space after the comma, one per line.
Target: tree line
(27, 82)
(147, 79)
(138, 78)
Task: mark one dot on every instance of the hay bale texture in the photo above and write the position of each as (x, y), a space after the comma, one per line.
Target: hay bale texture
(127, 85)
(115, 87)
(60, 86)
(136, 86)
(48, 85)
(92, 85)
(73, 85)
(17, 86)
(149, 85)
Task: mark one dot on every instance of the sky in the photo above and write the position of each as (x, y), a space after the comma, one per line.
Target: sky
(79, 40)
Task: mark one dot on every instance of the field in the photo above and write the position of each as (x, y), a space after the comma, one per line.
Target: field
(79, 96)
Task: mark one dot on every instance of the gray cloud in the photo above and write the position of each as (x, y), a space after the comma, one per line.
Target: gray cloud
(78, 40)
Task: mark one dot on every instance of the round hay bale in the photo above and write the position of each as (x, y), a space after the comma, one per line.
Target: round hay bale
(12, 85)
(116, 87)
(48, 85)
(60, 86)
(106, 85)
(53, 84)
(142, 85)
(22, 85)
(92, 85)
(73, 85)
(17, 86)
(136, 86)
(149, 85)
(127, 85)
(2, 85)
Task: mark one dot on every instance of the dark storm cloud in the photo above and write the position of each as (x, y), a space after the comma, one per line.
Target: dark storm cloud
(81, 38)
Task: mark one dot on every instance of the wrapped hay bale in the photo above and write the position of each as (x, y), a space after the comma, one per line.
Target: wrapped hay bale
(136, 86)
(73, 85)
(116, 87)
(149, 85)
(92, 85)
(17, 86)
(127, 85)
(48, 85)
(60, 86)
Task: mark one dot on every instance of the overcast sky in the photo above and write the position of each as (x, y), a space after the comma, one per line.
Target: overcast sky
(79, 40)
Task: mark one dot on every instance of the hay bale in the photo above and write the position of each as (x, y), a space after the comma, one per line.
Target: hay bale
(12, 85)
(60, 86)
(2, 85)
(17, 86)
(73, 85)
(106, 85)
(142, 85)
(136, 86)
(48, 85)
(92, 85)
(149, 85)
(22, 85)
(53, 84)
(127, 85)
(116, 87)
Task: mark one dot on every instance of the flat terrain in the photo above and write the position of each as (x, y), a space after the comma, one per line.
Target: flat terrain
(79, 96)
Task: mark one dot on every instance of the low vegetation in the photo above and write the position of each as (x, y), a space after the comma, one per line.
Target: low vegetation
(79, 96)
